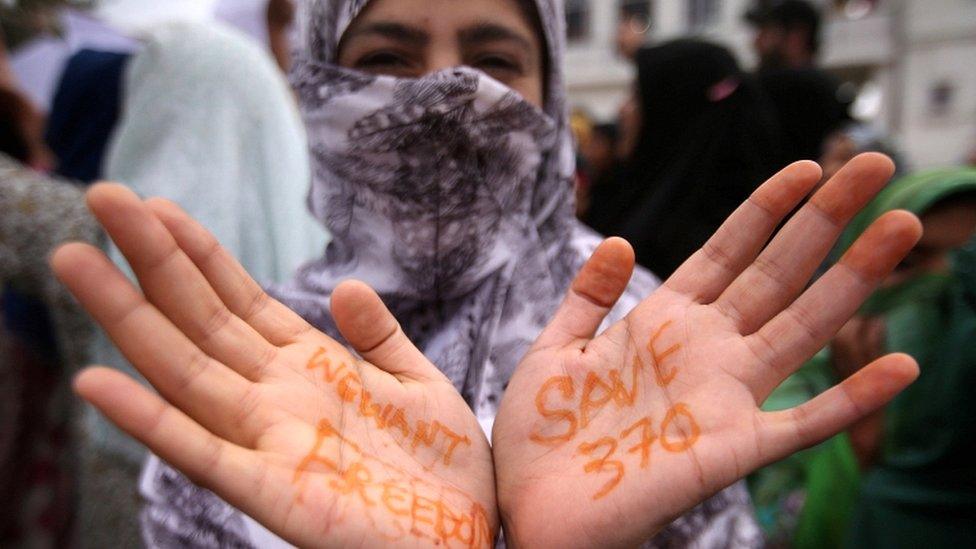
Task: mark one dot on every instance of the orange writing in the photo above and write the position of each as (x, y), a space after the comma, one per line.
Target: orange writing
(597, 393)
(647, 437)
(593, 385)
(603, 464)
(410, 505)
(426, 435)
(350, 389)
(689, 433)
(678, 431)
(563, 384)
(663, 376)
(688, 437)
(614, 390)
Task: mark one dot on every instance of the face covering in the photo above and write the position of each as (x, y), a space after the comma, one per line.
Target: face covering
(450, 195)
(427, 181)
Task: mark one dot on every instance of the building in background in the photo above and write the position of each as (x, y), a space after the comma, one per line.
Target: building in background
(910, 62)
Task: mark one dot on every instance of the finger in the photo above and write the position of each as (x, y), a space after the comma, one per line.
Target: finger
(592, 295)
(242, 295)
(865, 392)
(370, 328)
(710, 270)
(783, 269)
(804, 327)
(230, 471)
(173, 284)
(203, 388)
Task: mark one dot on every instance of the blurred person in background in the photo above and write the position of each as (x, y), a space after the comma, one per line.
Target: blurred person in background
(86, 105)
(703, 139)
(601, 150)
(84, 113)
(787, 33)
(917, 454)
(596, 160)
(581, 124)
(808, 101)
(26, 132)
(281, 22)
(48, 340)
(13, 141)
(902, 477)
(209, 121)
(45, 44)
(600, 161)
(39, 418)
(49, 32)
(268, 22)
(44, 340)
(37, 439)
(632, 29)
(856, 138)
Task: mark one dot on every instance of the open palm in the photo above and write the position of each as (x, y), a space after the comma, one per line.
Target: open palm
(320, 446)
(605, 440)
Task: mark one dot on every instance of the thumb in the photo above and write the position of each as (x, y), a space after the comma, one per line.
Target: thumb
(370, 328)
(592, 295)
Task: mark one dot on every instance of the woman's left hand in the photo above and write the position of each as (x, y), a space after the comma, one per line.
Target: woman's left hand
(605, 440)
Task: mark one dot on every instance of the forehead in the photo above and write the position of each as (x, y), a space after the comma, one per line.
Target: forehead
(443, 16)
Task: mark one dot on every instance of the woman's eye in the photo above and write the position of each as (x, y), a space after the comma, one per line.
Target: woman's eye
(498, 63)
(381, 60)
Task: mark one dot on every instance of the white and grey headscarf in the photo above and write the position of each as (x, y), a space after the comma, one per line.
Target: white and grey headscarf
(453, 197)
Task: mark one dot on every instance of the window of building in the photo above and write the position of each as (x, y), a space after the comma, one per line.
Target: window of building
(639, 11)
(702, 13)
(942, 94)
(577, 20)
(855, 9)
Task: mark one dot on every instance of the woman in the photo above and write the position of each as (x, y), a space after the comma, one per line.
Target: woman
(208, 121)
(898, 474)
(269, 22)
(463, 304)
(38, 440)
(706, 139)
(449, 192)
(917, 454)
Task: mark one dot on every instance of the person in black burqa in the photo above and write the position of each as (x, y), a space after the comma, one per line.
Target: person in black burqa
(705, 139)
(809, 102)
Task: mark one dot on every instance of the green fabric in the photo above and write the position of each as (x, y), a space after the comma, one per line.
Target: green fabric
(915, 193)
(923, 489)
(833, 478)
(779, 491)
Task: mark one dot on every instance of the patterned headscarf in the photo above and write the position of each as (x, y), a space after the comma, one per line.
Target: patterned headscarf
(450, 195)
(453, 198)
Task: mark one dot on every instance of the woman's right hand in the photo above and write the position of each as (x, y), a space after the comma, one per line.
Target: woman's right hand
(321, 447)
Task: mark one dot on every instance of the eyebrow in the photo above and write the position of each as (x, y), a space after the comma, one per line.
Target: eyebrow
(393, 31)
(491, 32)
(474, 35)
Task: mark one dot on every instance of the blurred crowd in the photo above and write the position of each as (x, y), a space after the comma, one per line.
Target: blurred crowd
(203, 115)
